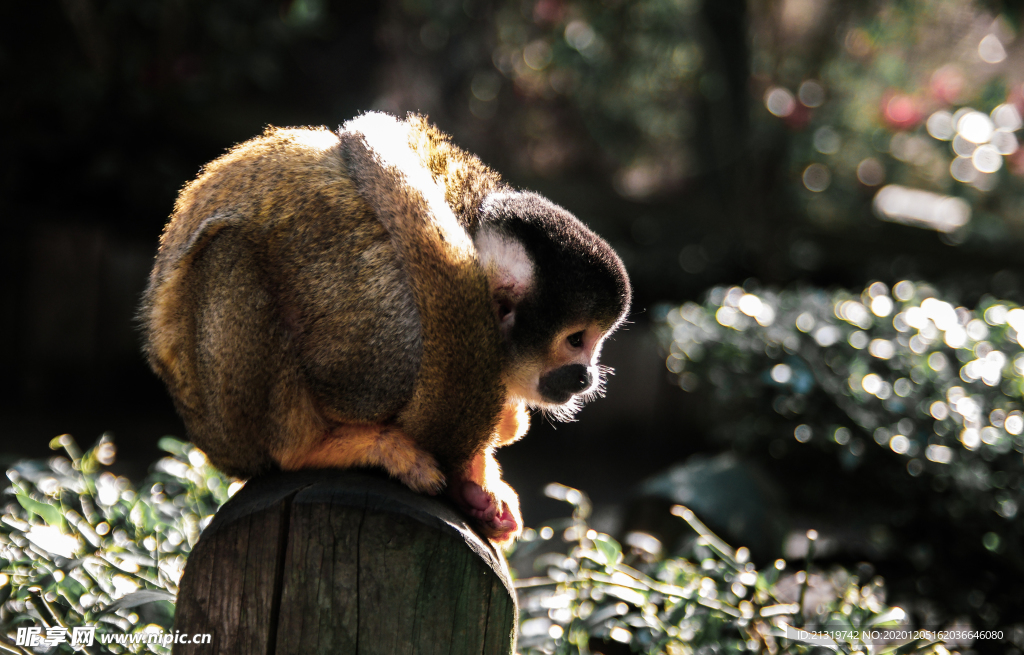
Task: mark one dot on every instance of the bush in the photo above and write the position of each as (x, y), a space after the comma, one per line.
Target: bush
(80, 546)
(918, 402)
(596, 595)
(83, 547)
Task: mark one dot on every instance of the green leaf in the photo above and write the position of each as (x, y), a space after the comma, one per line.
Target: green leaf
(172, 445)
(609, 549)
(141, 597)
(139, 515)
(891, 617)
(839, 623)
(677, 614)
(72, 588)
(46, 511)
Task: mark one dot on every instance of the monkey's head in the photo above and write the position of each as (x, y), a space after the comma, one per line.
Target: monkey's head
(559, 290)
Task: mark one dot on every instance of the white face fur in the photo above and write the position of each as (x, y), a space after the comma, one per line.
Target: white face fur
(508, 266)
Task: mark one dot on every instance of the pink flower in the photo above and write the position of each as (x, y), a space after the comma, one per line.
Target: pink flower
(900, 110)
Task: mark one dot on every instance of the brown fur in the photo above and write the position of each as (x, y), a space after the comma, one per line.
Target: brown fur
(305, 312)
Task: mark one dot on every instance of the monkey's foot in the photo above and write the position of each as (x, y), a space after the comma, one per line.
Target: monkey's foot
(420, 474)
(351, 446)
(485, 497)
(497, 519)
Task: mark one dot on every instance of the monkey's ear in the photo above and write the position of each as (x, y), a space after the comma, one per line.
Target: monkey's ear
(509, 270)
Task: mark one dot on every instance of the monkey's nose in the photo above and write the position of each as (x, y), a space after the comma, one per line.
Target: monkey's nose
(575, 378)
(561, 384)
(583, 378)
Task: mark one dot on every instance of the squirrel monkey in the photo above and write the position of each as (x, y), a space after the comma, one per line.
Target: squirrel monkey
(377, 297)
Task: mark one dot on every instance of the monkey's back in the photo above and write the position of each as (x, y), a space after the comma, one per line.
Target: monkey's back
(277, 301)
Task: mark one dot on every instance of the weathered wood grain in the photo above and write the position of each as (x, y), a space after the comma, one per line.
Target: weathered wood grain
(343, 562)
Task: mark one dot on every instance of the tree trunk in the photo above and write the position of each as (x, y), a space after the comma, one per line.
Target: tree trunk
(343, 562)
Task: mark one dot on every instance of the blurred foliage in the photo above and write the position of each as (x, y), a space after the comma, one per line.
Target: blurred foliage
(658, 87)
(83, 547)
(913, 395)
(632, 71)
(639, 77)
(597, 594)
(921, 94)
(80, 546)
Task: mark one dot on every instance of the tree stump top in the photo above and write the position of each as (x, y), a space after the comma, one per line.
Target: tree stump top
(343, 562)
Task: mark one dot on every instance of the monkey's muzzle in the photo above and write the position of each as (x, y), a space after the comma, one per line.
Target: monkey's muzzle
(561, 384)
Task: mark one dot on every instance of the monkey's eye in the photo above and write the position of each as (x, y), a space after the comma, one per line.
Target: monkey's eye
(576, 339)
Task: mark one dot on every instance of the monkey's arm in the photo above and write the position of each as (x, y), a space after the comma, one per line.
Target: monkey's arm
(458, 393)
(482, 493)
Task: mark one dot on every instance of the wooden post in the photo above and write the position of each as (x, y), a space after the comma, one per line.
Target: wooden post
(343, 562)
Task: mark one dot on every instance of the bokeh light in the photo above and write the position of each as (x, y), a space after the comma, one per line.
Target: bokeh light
(924, 208)
(779, 101)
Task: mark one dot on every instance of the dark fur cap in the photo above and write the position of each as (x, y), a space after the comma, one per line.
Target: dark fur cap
(578, 276)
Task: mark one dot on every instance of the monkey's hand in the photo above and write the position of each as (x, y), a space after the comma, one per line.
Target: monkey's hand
(482, 494)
